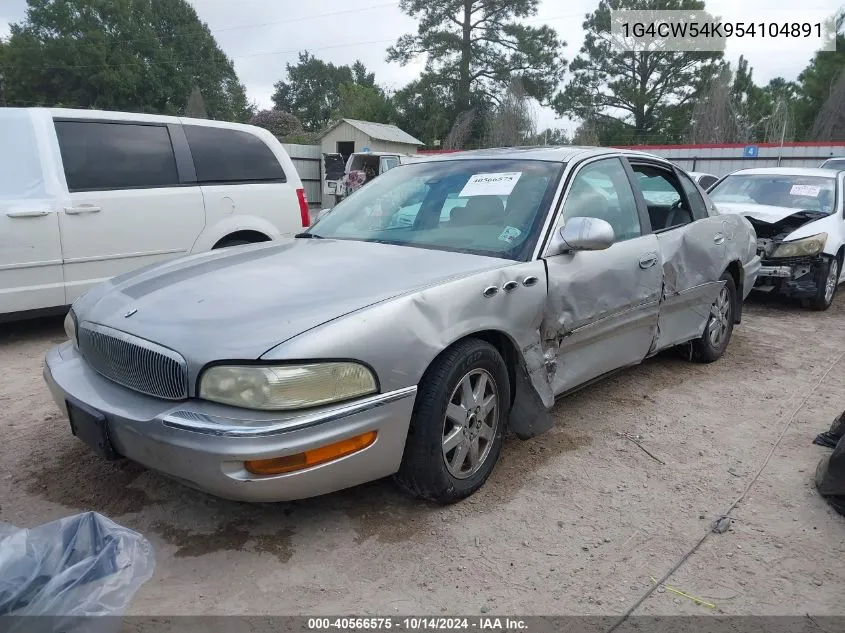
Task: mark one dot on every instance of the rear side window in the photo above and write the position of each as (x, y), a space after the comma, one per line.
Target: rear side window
(99, 156)
(231, 156)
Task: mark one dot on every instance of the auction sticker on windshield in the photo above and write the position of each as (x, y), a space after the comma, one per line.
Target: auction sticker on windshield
(510, 234)
(805, 190)
(497, 184)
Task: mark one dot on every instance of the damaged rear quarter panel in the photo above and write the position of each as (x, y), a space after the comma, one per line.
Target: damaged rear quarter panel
(401, 337)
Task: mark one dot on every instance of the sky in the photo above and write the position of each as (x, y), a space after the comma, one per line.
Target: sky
(261, 36)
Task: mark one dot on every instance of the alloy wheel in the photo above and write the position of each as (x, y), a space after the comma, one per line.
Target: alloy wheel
(720, 314)
(831, 281)
(470, 424)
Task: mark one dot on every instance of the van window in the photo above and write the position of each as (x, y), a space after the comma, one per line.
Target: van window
(98, 156)
(20, 167)
(230, 156)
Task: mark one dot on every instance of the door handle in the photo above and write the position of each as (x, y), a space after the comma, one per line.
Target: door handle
(719, 238)
(83, 208)
(28, 213)
(647, 261)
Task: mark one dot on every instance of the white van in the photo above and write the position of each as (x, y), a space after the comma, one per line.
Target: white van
(86, 195)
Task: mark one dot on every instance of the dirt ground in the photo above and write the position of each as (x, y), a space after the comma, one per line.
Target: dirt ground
(575, 522)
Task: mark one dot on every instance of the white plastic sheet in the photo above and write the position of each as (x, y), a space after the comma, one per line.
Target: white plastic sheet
(71, 572)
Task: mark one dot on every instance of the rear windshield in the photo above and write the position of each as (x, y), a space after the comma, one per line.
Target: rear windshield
(802, 193)
(484, 207)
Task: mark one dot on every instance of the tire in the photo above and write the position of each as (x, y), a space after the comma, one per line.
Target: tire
(424, 471)
(828, 274)
(720, 325)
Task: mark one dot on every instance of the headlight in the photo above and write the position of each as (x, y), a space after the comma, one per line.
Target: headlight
(286, 387)
(70, 327)
(801, 248)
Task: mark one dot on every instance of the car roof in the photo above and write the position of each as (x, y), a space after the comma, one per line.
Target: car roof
(788, 171)
(132, 117)
(561, 154)
(701, 173)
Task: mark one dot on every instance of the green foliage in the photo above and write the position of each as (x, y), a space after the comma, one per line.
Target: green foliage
(280, 124)
(423, 110)
(644, 89)
(312, 91)
(816, 83)
(368, 103)
(476, 47)
(552, 137)
(134, 55)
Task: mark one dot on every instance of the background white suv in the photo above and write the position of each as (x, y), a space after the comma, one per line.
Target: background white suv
(86, 195)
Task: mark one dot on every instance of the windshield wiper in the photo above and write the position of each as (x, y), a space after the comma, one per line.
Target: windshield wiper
(309, 236)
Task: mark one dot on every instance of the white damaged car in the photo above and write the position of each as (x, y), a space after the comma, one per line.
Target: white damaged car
(799, 218)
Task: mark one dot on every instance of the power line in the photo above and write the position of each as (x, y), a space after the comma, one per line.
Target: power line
(303, 19)
(146, 63)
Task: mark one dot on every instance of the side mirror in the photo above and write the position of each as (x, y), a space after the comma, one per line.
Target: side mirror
(586, 234)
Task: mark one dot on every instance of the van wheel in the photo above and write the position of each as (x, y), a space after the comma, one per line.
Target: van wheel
(457, 425)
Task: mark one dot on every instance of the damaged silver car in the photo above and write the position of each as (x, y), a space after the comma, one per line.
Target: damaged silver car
(442, 303)
(799, 219)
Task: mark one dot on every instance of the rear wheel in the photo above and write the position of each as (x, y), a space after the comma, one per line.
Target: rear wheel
(720, 324)
(828, 283)
(458, 422)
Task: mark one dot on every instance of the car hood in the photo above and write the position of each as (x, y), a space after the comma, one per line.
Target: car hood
(772, 222)
(240, 302)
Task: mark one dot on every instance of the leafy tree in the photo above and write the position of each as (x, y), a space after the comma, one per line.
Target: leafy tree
(312, 90)
(368, 103)
(280, 124)
(552, 136)
(817, 82)
(136, 55)
(423, 110)
(479, 46)
(641, 89)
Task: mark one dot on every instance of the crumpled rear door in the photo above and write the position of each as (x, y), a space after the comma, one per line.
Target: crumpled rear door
(693, 258)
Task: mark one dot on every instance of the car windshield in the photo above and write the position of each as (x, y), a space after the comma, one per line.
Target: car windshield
(805, 193)
(484, 207)
(836, 163)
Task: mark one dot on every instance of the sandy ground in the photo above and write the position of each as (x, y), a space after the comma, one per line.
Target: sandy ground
(577, 521)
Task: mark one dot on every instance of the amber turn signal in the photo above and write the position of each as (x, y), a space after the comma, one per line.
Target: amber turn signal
(314, 457)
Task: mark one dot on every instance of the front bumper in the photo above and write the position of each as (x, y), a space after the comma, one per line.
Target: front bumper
(796, 277)
(204, 445)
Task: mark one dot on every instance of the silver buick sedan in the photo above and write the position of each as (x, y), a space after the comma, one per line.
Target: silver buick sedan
(443, 303)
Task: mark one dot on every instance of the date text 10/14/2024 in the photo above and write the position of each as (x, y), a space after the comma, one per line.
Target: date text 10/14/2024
(417, 624)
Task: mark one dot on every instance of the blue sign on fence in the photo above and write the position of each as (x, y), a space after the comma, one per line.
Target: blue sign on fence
(750, 151)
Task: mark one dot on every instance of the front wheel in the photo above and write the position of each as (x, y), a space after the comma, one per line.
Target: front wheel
(828, 283)
(458, 422)
(720, 324)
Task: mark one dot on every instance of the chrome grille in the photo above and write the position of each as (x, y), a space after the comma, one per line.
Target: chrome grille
(134, 362)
